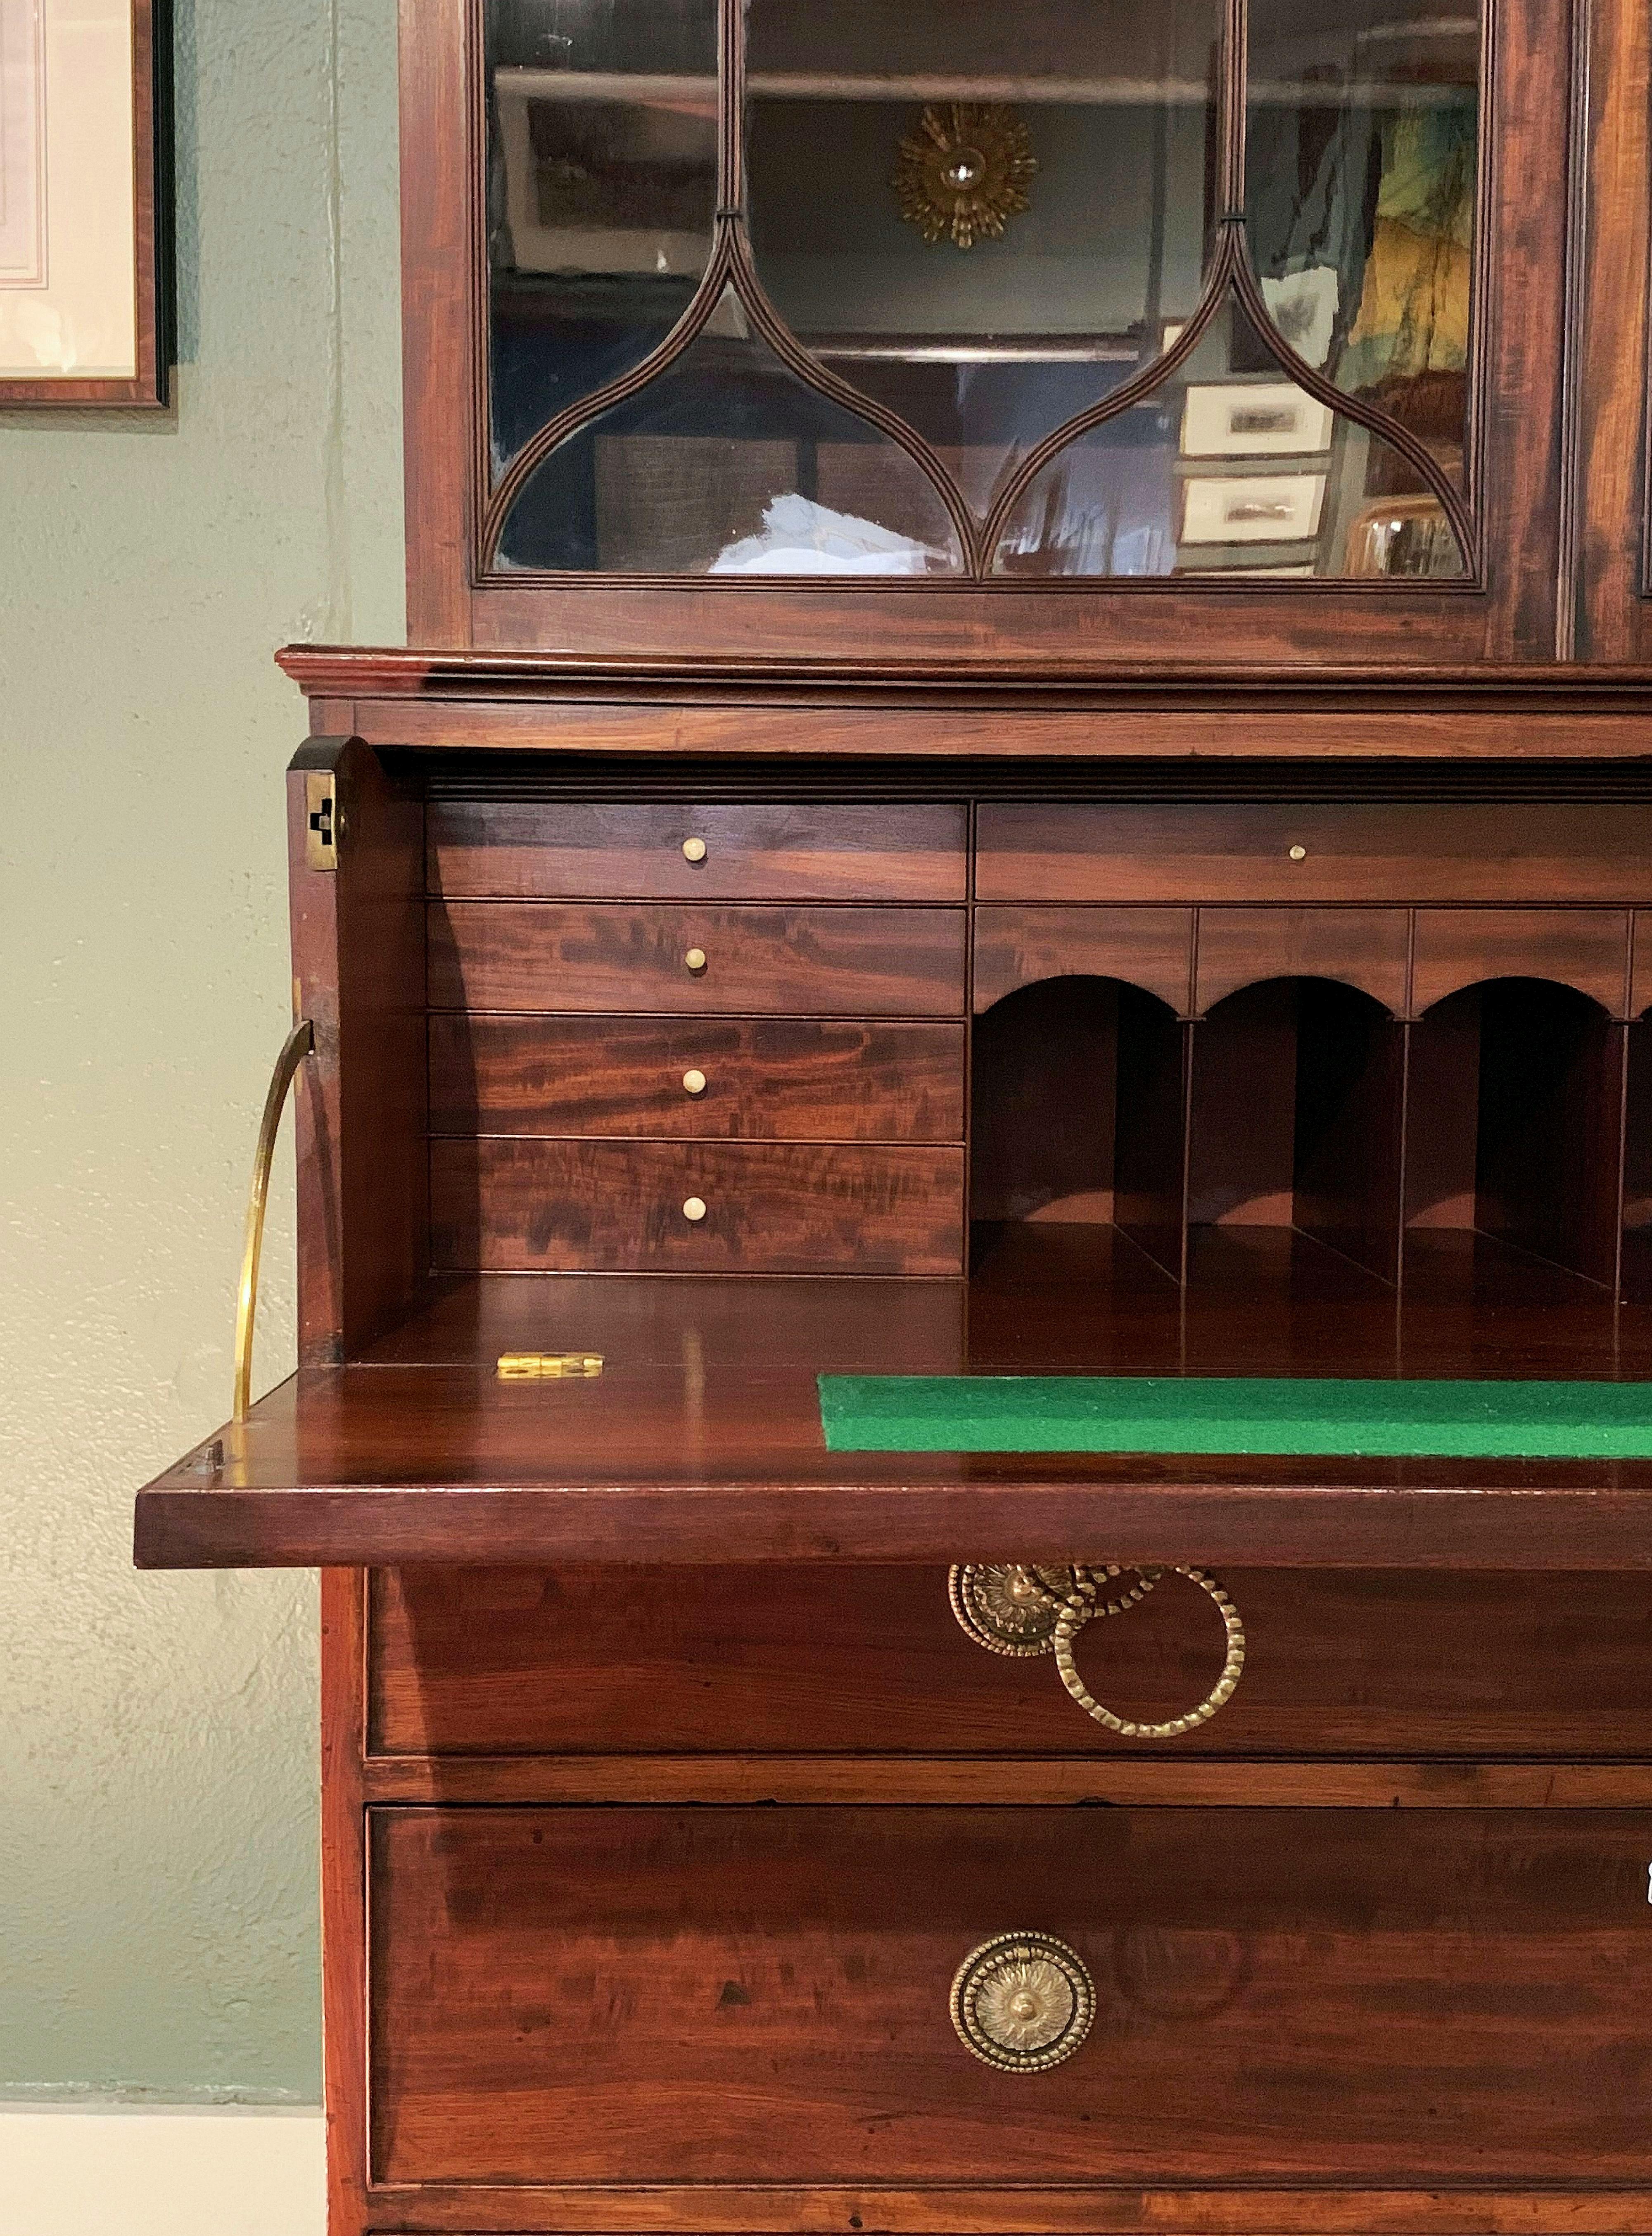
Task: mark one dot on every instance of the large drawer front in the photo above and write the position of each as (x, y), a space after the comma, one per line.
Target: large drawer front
(697, 960)
(708, 1994)
(516, 1205)
(670, 849)
(712, 1078)
(858, 1660)
(1564, 851)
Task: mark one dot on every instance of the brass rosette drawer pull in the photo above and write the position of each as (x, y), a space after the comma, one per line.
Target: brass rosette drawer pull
(1016, 1608)
(1023, 2002)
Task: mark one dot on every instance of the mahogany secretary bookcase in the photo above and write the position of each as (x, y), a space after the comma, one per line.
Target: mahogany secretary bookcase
(1028, 755)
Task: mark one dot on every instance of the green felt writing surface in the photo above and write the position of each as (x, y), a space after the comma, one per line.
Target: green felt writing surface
(1171, 1413)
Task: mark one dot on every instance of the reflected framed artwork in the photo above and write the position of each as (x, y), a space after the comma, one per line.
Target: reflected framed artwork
(83, 205)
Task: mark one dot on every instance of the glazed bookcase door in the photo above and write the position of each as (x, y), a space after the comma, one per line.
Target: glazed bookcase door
(1230, 322)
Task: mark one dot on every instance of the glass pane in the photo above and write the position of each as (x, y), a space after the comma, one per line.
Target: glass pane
(882, 139)
(602, 193)
(1360, 191)
(1230, 470)
(728, 464)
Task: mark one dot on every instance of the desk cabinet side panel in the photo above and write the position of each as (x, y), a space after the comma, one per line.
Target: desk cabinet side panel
(343, 1898)
(359, 974)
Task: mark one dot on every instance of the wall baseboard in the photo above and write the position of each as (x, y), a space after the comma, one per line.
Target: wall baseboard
(141, 2170)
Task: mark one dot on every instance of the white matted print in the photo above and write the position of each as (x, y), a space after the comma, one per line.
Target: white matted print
(67, 123)
(1239, 419)
(23, 144)
(1252, 509)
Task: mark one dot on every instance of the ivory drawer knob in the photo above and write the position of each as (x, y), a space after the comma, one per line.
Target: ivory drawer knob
(695, 960)
(694, 1082)
(694, 1210)
(693, 849)
(1023, 2002)
(1299, 853)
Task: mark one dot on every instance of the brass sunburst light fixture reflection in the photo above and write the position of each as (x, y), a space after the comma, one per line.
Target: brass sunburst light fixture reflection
(964, 171)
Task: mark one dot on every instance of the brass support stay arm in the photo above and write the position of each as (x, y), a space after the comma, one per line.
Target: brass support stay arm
(300, 1044)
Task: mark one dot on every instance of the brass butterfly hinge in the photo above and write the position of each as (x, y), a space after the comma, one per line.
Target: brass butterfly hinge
(321, 824)
(549, 1365)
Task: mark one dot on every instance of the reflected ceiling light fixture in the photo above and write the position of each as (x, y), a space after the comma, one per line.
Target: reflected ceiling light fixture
(965, 171)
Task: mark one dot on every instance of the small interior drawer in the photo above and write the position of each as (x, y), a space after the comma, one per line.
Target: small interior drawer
(1249, 851)
(671, 850)
(527, 1205)
(730, 1078)
(701, 961)
(870, 1661)
(649, 1995)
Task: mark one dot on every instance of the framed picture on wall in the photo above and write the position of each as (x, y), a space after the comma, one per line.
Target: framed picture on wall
(83, 262)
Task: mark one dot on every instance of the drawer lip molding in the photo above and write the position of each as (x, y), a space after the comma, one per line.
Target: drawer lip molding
(753, 2208)
(1250, 1782)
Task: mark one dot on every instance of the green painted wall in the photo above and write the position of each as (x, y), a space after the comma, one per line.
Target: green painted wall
(158, 1833)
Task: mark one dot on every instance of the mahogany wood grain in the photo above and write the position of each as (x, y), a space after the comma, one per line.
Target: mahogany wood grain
(1396, 853)
(1519, 430)
(1044, 1103)
(797, 961)
(1611, 312)
(1191, 1781)
(623, 850)
(1585, 949)
(1348, 1167)
(843, 672)
(846, 1325)
(1151, 948)
(1515, 1123)
(756, 2209)
(357, 935)
(343, 1895)
(681, 1452)
(766, 1078)
(674, 1996)
(1641, 962)
(1549, 1148)
(440, 247)
(1165, 624)
(1241, 1123)
(1296, 1118)
(870, 1661)
(526, 1206)
(1242, 721)
(1365, 948)
(1636, 1264)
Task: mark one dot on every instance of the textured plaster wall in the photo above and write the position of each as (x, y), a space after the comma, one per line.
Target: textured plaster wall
(157, 1734)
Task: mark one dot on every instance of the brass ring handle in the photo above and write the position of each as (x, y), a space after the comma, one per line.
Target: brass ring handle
(299, 1042)
(1081, 1606)
(1022, 2002)
(1011, 1607)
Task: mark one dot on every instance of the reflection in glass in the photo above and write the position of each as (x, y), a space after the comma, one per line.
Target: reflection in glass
(983, 349)
(726, 463)
(1360, 188)
(1228, 470)
(602, 190)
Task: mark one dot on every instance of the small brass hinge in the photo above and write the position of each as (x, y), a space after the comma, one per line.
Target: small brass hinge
(321, 831)
(548, 1365)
